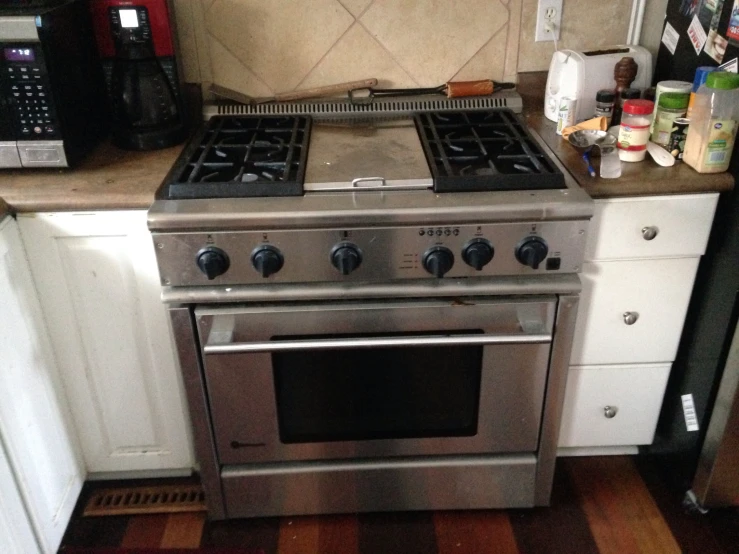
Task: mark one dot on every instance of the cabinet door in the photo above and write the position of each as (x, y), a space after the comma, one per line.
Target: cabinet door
(16, 534)
(99, 288)
(632, 311)
(38, 448)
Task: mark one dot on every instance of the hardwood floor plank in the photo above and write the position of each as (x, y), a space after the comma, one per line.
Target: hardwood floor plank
(691, 529)
(298, 535)
(397, 533)
(338, 535)
(183, 530)
(562, 527)
(88, 532)
(246, 533)
(479, 532)
(144, 531)
(622, 514)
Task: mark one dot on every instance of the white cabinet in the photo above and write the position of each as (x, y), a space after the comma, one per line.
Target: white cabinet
(640, 264)
(40, 475)
(98, 282)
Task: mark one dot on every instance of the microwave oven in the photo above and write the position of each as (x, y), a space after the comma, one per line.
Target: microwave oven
(53, 108)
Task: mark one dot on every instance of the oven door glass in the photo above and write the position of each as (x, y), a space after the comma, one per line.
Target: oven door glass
(377, 393)
(376, 379)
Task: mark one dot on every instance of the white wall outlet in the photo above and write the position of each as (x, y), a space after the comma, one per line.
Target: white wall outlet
(548, 20)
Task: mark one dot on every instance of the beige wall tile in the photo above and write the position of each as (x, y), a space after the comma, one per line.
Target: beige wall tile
(433, 39)
(280, 41)
(512, 45)
(229, 72)
(586, 24)
(186, 41)
(356, 7)
(357, 56)
(488, 63)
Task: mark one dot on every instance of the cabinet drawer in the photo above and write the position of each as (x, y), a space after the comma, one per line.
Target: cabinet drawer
(612, 405)
(620, 227)
(655, 292)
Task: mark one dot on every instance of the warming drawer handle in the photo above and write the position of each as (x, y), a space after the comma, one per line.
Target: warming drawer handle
(336, 344)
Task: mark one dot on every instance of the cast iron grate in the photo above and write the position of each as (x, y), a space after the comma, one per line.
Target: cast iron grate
(242, 156)
(146, 500)
(484, 150)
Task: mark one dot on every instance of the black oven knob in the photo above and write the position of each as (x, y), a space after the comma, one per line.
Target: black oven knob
(438, 260)
(478, 253)
(346, 257)
(213, 262)
(531, 251)
(267, 260)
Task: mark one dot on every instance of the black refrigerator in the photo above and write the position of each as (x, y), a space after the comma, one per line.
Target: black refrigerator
(714, 308)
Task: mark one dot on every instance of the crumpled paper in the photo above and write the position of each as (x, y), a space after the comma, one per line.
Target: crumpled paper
(597, 124)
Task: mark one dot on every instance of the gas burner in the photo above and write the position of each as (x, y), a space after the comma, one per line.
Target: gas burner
(484, 150)
(243, 156)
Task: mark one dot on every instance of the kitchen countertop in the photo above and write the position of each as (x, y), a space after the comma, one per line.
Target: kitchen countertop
(4, 210)
(637, 179)
(110, 178)
(107, 179)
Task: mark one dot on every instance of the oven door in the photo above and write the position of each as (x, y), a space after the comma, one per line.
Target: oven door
(376, 379)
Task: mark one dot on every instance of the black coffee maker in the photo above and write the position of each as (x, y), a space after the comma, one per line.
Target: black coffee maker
(138, 55)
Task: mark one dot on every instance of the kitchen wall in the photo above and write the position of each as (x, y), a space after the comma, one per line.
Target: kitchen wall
(261, 47)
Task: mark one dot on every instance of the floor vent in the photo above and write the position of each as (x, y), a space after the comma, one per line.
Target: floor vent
(146, 500)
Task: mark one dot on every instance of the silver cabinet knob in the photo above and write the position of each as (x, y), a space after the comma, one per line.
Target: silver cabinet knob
(630, 317)
(610, 411)
(648, 233)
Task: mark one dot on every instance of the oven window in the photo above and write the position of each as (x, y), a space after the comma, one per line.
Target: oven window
(377, 393)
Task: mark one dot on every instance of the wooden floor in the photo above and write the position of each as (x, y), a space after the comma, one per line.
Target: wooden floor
(600, 505)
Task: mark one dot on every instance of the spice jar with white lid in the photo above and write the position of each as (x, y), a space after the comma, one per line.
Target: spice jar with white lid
(633, 134)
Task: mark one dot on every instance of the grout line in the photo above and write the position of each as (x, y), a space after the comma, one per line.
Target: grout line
(364, 11)
(241, 63)
(328, 50)
(389, 53)
(465, 64)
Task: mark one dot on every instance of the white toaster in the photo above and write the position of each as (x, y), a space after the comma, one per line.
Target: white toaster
(582, 74)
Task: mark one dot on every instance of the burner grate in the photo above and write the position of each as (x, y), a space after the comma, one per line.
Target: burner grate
(484, 150)
(243, 156)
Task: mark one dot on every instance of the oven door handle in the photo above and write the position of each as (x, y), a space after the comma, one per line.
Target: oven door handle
(370, 342)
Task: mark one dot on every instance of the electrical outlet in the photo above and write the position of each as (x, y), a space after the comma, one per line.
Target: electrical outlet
(548, 16)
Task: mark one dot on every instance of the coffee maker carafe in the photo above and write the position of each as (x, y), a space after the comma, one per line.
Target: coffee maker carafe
(135, 40)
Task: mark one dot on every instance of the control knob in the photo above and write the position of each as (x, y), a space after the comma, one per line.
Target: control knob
(531, 251)
(267, 260)
(478, 253)
(213, 262)
(438, 260)
(346, 257)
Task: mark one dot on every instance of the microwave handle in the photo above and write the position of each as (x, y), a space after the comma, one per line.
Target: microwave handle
(374, 342)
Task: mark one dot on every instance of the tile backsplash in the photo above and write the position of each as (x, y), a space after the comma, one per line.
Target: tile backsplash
(261, 47)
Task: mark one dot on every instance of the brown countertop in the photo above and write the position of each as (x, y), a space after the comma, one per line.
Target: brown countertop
(4, 209)
(637, 179)
(107, 179)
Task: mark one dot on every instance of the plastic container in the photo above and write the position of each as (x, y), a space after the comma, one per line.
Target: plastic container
(672, 105)
(713, 124)
(701, 74)
(669, 86)
(634, 132)
(604, 100)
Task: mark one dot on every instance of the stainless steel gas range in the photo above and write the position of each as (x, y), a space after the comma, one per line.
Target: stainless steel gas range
(373, 310)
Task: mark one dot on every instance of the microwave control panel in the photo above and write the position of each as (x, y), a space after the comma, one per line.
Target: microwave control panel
(26, 92)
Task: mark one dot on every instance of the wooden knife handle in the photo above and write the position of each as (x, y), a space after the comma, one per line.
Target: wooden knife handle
(325, 91)
(469, 88)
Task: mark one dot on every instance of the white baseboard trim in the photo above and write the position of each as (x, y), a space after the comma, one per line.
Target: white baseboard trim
(139, 474)
(599, 451)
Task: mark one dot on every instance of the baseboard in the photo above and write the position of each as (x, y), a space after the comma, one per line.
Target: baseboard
(599, 451)
(139, 474)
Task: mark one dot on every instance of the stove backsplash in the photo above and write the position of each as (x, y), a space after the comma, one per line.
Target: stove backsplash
(262, 47)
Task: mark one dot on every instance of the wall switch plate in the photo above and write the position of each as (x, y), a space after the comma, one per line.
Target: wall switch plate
(548, 12)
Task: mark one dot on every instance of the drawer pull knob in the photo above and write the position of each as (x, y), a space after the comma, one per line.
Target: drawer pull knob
(630, 317)
(649, 232)
(610, 411)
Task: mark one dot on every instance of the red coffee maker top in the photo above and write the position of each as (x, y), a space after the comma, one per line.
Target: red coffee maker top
(158, 20)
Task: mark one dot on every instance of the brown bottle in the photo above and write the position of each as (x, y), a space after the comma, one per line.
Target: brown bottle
(624, 73)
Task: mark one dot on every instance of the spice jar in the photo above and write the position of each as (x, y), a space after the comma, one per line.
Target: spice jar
(604, 100)
(672, 105)
(626, 94)
(634, 132)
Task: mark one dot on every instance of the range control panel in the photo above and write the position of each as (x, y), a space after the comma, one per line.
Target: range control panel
(25, 87)
(370, 254)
